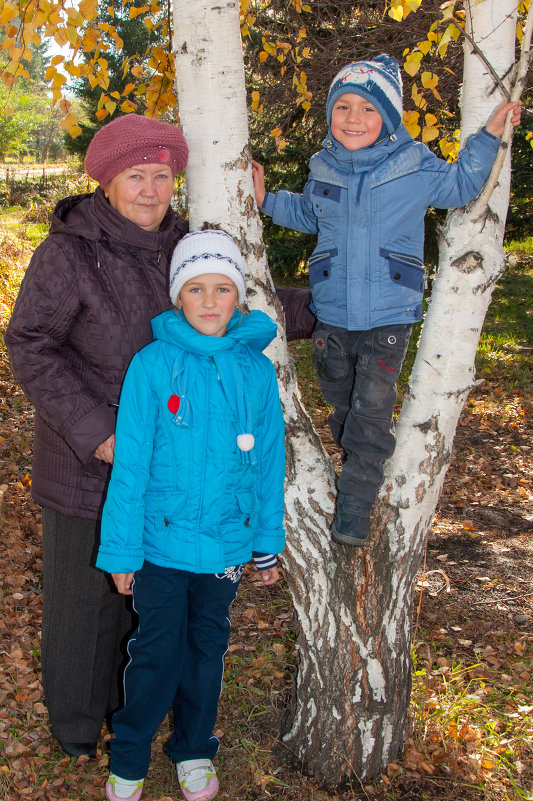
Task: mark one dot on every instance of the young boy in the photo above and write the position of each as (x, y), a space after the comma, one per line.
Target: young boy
(366, 198)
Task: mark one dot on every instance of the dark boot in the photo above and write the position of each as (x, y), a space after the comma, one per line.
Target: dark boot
(352, 521)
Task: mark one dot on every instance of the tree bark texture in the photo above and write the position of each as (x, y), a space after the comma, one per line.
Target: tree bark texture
(348, 711)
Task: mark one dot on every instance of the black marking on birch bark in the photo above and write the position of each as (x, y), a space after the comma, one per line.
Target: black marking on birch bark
(426, 426)
(468, 262)
(489, 284)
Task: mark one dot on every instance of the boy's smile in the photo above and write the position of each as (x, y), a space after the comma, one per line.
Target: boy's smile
(355, 122)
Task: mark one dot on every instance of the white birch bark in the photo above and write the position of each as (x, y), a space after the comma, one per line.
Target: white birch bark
(349, 705)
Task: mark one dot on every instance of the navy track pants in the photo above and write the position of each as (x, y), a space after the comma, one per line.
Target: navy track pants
(176, 660)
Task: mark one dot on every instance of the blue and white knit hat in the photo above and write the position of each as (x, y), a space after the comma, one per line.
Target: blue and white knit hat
(209, 251)
(379, 81)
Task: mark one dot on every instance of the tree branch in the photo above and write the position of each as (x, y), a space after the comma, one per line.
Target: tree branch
(515, 94)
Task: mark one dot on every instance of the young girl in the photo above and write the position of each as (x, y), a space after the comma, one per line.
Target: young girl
(196, 490)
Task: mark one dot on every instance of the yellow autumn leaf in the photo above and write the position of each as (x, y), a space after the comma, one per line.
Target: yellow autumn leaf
(444, 41)
(412, 63)
(73, 69)
(65, 106)
(430, 119)
(58, 80)
(111, 11)
(255, 100)
(74, 130)
(424, 46)
(67, 121)
(410, 120)
(429, 133)
(396, 13)
(136, 12)
(8, 12)
(263, 55)
(101, 114)
(49, 73)
(60, 37)
(89, 9)
(275, 132)
(429, 80)
(137, 70)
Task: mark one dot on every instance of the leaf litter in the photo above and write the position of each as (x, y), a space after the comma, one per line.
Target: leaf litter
(471, 732)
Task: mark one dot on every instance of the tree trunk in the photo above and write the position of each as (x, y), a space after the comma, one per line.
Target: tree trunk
(348, 711)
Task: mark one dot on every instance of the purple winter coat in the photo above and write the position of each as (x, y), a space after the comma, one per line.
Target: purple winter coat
(83, 310)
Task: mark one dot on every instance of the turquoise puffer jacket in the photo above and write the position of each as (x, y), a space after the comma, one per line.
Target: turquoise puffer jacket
(367, 207)
(182, 494)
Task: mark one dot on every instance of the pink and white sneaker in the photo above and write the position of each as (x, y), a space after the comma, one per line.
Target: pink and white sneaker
(117, 789)
(198, 779)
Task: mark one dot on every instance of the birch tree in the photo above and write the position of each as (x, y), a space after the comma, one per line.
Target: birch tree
(348, 711)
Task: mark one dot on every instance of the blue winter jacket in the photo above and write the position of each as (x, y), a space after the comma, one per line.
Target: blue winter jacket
(182, 494)
(367, 207)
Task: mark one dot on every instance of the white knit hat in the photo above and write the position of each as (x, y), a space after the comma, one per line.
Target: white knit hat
(210, 251)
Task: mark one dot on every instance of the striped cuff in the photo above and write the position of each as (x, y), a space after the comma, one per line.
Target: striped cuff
(265, 561)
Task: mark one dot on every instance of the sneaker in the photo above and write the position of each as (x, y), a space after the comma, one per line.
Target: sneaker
(352, 522)
(198, 779)
(115, 784)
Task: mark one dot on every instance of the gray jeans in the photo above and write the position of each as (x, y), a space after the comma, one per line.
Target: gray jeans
(357, 371)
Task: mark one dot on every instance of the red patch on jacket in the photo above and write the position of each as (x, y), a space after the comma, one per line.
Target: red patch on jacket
(174, 403)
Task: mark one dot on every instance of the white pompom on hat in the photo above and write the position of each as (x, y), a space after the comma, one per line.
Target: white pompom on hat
(210, 251)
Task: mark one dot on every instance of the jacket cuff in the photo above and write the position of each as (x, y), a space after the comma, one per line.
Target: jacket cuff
(268, 204)
(264, 561)
(124, 562)
(91, 431)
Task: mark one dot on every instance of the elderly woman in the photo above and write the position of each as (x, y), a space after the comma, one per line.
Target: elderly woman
(83, 310)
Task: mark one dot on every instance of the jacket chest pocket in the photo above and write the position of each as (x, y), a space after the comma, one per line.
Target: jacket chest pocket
(326, 199)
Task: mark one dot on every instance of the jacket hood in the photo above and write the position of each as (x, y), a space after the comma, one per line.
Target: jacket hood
(367, 157)
(256, 330)
(89, 215)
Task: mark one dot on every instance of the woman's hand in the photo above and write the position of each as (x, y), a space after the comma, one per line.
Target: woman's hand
(269, 576)
(123, 582)
(106, 450)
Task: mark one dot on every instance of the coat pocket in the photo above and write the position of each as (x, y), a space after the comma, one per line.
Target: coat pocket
(405, 270)
(320, 265)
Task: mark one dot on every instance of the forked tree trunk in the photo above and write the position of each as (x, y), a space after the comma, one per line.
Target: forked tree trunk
(349, 706)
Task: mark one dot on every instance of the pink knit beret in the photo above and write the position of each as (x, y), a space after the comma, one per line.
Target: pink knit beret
(131, 140)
